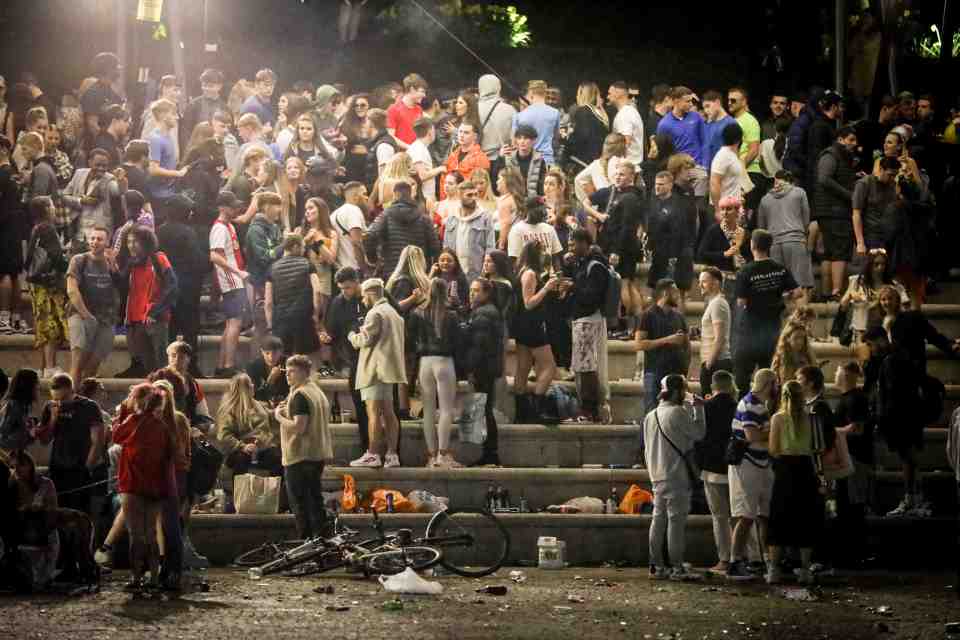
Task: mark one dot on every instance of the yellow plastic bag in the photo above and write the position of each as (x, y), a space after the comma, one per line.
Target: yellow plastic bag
(348, 501)
(634, 499)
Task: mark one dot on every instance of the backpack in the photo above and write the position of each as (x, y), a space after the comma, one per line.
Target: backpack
(611, 300)
(205, 462)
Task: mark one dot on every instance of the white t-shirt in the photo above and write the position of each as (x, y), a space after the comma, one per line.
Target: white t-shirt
(223, 236)
(629, 123)
(717, 309)
(346, 219)
(419, 154)
(523, 232)
(734, 180)
(384, 153)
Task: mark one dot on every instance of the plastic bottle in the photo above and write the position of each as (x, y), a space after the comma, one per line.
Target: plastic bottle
(491, 498)
(613, 502)
(389, 503)
(524, 507)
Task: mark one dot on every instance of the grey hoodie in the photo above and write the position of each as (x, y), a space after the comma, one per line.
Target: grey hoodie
(785, 214)
(498, 129)
(685, 426)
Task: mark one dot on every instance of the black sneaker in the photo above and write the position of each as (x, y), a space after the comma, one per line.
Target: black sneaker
(488, 460)
(135, 585)
(738, 572)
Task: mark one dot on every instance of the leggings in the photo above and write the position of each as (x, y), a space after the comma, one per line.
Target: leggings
(141, 516)
(437, 379)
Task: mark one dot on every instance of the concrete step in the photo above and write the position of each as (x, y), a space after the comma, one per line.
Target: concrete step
(590, 539)
(467, 488)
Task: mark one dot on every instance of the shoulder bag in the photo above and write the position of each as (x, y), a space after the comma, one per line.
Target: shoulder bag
(692, 473)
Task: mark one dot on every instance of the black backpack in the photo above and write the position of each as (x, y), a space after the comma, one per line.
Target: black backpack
(205, 463)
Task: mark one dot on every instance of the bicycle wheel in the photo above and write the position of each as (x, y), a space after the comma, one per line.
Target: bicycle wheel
(396, 560)
(474, 543)
(265, 553)
(312, 551)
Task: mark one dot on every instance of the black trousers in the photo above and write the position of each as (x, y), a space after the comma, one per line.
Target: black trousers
(560, 336)
(360, 411)
(756, 345)
(306, 500)
(66, 482)
(492, 441)
(185, 315)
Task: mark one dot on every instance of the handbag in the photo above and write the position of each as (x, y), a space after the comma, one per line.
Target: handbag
(473, 420)
(840, 327)
(256, 495)
(205, 462)
(736, 451)
(837, 463)
(692, 473)
(41, 269)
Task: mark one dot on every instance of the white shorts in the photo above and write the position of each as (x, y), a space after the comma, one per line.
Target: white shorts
(750, 489)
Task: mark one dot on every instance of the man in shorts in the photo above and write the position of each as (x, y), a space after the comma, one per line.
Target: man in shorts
(92, 309)
(229, 265)
(751, 482)
(380, 342)
(833, 205)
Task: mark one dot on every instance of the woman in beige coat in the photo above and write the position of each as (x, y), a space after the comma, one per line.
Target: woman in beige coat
(381, 365)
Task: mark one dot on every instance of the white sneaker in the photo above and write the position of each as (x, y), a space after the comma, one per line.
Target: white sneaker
(773, 575)
(368, 459)
(103, 557)
(5, 328)
(390, 461)
(903, 509)
(660, 573)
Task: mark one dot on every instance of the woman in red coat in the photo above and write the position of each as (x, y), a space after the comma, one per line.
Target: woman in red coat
(143, 476)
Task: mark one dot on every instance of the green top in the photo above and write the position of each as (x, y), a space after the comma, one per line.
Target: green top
(751, 133)
(795, 440)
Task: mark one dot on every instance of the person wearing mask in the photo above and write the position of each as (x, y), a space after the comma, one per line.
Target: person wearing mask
(435, 333)
(496, 116)
(627, 122)
(247, 435)
(522, 156)
(345, 315)
(484, 335)
(266, 372)
(306, 444)
(751, 482)
(179, 242)
(590, 274)
(785, 214)
(401, 224)
(260, 103)
(796, 505)
(542, 117)
(407, 110)
(622, 224)
(737, 100)
(229, 270)
(470, 235)
(719, 409)
(206, 105)
(671, 229)
(717, 119)
(715, 327)
(833, 204)
(143, 477)
(292, 298)
(380, 342)
(684, 126)
(153, 291)
(671, 431)
(261, 249)
(92, 289)
(762, 288)
(662, 337)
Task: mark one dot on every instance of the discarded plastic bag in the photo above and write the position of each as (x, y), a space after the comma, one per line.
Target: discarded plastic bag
(348, 501)
(426, 502)
(585, 504)
(634, 500)
(473, 421)
(378, 501)
(410, 582)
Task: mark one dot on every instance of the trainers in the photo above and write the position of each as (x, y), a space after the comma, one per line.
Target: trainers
(191, 558)
(773, 575)
(390, 461)
(21, 327)
(903, 509)
(738, 572)
(367, 460)
(103, 556)
(682, 574)
(448, 462)
(660, 573)
(5, 328)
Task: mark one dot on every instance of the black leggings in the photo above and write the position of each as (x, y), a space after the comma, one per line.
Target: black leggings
(492, 441)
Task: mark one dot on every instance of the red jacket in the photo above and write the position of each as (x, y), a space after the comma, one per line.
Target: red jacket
(146, 458)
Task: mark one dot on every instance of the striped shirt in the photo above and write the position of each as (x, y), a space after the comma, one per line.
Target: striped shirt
(751, 412)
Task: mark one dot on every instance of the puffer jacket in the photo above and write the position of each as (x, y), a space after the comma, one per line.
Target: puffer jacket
(401, 224)
(835, 181)
(484, 337)
(425, 338)
(262, 248)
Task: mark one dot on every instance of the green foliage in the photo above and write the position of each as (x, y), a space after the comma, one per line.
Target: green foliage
(479, 24)
(930, 45)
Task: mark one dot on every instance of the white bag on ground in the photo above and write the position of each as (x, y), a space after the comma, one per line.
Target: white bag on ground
(256, 495)
(426, 502)
(473, 420)
(410, 582)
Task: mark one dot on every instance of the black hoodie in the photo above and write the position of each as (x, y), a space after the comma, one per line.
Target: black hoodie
(401, 224)
(591, 277)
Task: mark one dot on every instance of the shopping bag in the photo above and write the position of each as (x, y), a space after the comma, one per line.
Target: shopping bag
(473, 420)
(378, 501)
(256, 495)
(634, 500)
(348, 501)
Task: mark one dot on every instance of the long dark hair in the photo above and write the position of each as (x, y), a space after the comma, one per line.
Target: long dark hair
(536, 211)
(531, 257)
(501, 262)
(351, 124)
(457, 269)
(865, 279)
(23, 387)
(22, 457)
(435, 311)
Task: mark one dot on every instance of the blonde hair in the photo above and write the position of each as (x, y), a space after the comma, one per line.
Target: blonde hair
(762, 379)
(614, 146)
(786, 362)
(488, 197)
(412, 264)
(588, 94)
(160, 107)
(793, 406)
(238, 403)
(679, 162)
(396, 170)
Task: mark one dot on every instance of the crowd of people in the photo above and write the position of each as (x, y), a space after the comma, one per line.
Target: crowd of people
(400, 238)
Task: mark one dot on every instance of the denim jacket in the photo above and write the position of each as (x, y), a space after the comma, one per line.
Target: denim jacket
(482, 240)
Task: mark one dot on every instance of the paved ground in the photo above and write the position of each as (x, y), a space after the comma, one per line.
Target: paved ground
(617, 603)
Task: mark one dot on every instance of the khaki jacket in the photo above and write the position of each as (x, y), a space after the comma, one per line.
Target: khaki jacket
(380, 341)
(315, 443)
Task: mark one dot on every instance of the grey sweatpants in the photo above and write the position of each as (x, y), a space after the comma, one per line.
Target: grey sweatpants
(671, 506)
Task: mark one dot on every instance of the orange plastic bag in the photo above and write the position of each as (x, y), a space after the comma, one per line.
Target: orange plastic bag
(378, 501)
(348, 501)
(634, 499)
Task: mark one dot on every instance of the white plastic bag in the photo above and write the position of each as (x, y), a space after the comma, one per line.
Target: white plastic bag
(426, 502)
(473, 420)
(256, 495)
(410, 582)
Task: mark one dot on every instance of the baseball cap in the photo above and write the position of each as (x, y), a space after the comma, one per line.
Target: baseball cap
(905, 95)
(228, 199)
